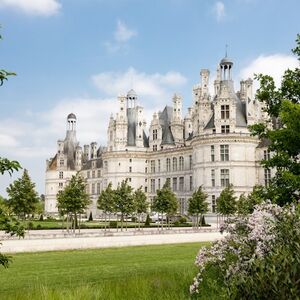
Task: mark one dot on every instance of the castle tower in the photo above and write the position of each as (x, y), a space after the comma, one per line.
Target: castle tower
(177, 127)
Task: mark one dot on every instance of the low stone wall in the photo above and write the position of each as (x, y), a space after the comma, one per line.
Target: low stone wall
(113, 240)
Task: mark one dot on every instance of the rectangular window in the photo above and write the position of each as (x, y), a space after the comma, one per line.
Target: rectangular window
(158, 183)
(146, 189)
(130, 169)
(267, 177)
(154, 134)
(98, 188)
(174, 184)
(154, 147)
(266, 154)
(213, 177)
(61, 162)
(146, 170)
(224, 112)
(168, 164)
(181, 184)
(88, 174)
(105, 166)
(99, 173)
(61, 175)
(212, 153)
(213, 203)
(174, 164)
(60, 185)
(224, 177)
(224, 152)
(181, 163)
(158, 165)
(191, 162)
(152, 165)
(93, 174)
(225, 128)
(191, 183)
(93, 188)
(152, 187)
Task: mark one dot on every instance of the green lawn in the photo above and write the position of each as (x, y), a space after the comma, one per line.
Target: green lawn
(144, 272)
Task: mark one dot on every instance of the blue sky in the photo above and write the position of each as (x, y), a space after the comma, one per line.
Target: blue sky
(78, 55)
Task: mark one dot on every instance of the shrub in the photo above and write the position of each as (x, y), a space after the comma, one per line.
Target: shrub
(177, 223)
(38, 226)
(134, 219)
(148, 220)
(259, 259)
(182, 220)
(30, 225)
(113, 224)
(91, 217)
(41, 218)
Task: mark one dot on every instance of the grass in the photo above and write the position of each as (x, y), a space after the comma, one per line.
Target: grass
(143, 272)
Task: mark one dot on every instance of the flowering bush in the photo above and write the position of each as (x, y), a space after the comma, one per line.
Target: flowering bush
(259, 258)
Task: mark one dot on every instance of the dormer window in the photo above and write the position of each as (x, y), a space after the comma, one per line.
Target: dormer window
(224, 112)
(154, 134)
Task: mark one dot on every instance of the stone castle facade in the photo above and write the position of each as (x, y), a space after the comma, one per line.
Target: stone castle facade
(211, 146)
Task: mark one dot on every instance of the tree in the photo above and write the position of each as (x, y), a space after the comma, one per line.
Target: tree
(140, 203)
(7, 223)
(245, 205)
(73, 200)
(22, 197)
(226, 202)
(8, 166)
(283, 133)
(106, 201)
(165, 202)
(197, 204)
(124, 200)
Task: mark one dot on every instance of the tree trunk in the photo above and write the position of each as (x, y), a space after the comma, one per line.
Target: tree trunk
(122, 222)
(79, 223)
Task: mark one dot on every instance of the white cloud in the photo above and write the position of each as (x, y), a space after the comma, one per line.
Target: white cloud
(155, 86)
(121, 37)
(273, 65)
(123, 34)
(219, 11)
(7, 140)
(33, 7)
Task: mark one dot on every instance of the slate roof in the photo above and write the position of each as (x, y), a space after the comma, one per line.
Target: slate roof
(131, 126)
(165, 121)
(88, 164)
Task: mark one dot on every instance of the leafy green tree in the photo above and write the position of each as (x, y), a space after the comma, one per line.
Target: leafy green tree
(73, 200)
(140, 203)
(22, 197)
(197, 204)
(124, 203)
(245, 204)
(106, 202)
(226, 202)
(7, 223)
(282, 105)
(165, 202)
(8, 166)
